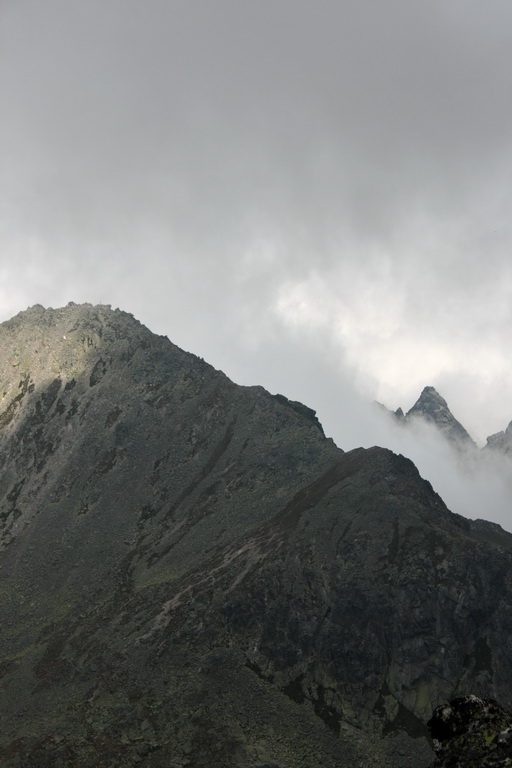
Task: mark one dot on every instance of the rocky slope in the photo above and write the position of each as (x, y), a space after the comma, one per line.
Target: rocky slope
(191, 574)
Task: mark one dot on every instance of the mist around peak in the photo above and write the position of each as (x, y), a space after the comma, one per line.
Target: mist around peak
(473, 482)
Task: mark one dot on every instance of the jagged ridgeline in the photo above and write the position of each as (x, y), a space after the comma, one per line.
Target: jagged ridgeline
(191, 574)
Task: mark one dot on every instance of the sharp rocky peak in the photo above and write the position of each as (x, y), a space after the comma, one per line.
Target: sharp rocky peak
(434, 408)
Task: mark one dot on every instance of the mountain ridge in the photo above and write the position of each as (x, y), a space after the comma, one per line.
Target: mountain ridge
(192, 574)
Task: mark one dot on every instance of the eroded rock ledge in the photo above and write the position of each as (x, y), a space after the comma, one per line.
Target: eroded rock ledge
(472, 732)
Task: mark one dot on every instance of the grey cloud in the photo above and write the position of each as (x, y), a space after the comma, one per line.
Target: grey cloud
(343, 110)
(194, 161)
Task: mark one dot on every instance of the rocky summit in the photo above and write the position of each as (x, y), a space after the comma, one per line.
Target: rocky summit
(192, 574)
(433, 408)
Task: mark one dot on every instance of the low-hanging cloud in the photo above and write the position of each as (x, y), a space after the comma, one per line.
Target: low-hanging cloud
(473, 483)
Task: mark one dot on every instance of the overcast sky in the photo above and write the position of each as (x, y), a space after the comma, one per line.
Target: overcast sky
(312, 195)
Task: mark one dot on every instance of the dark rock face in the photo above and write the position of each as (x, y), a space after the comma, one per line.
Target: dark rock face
(191, 574)
(309, 413)
(433, 408)
(471, 732)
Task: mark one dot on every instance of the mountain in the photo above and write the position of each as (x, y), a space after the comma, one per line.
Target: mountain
(192, 574)
(431, 407)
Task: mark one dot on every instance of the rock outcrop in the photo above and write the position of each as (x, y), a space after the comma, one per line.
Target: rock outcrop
(471, 732)
(193, 575)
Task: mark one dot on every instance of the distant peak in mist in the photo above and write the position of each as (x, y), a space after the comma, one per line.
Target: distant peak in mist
(434, 408)
(501, 441)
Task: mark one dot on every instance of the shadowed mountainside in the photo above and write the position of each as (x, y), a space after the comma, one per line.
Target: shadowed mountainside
(191, 574)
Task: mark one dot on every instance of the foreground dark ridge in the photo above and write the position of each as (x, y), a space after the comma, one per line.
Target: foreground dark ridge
(193, 575)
